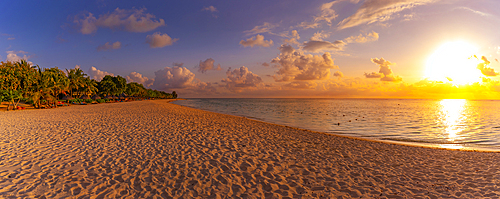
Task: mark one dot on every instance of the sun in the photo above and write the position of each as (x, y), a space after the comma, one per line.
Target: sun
(454, 62)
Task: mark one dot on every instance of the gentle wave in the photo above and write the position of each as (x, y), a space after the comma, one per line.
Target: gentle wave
(461, 123)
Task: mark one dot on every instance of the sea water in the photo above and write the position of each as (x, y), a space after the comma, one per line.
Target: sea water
(449, 123)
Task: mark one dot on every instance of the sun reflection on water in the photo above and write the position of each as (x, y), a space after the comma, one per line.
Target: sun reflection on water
(453, 118)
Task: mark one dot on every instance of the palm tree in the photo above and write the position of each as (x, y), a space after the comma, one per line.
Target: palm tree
(76, 79)
(89, 86)
(43, 89)
(57, 80)
(16, 80)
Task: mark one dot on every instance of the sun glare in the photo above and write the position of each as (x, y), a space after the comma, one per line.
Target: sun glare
(454, 62)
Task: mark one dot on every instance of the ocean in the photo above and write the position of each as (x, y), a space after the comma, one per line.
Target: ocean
(449, 123)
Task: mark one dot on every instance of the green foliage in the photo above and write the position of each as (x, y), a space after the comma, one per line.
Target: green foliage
(22, 81)
(88, 101)
(100, 100)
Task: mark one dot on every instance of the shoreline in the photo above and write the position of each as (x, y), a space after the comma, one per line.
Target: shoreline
(411, 144)
(158, 149)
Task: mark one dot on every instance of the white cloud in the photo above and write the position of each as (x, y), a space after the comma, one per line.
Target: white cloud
(385, 72)
(294, 65)
(97, 74)
(14, 57)
(107, 46)
(173, 78)
(372, 11)
(256, 41)
(264, 28)
(210, 8)
(159, 40)
(241, 78)
(208, 64)
(137, 77)
(134, 20)
(373, 36)
(182, 80)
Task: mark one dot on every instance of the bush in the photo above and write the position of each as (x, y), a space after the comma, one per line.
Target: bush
(100, 100)
(88, 101)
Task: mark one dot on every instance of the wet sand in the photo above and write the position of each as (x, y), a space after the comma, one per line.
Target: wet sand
(149, 149)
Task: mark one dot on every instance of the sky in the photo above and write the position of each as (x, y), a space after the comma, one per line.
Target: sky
(264, 49)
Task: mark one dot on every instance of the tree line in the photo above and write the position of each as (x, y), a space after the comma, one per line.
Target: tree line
(21, 81)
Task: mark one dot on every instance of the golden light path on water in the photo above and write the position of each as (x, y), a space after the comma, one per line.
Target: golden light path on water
(453, 118)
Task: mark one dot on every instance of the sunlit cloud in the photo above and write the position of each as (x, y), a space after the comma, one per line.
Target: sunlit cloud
(322, 46)
(241, 79)
(372, 11)
(385, 71)
(134, 20)
(338, 74)
(97, 74)
(182, 80)
(256, 41)
(319, 36)
(483, 67)
(372, 36)
(475, 11)
(137, 77)
(208, 64)
(11, 38)
(293, 39)
(172, 78)
(308, 25)
(264, 28)
(295, 65)
(107, 46)
(160, 40)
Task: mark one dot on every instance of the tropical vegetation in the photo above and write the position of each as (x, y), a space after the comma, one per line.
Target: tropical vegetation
(22, 81)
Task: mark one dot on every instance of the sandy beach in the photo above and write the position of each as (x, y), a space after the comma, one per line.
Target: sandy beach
(154, 149)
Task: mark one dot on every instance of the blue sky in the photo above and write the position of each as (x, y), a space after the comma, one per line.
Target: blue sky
(340, 42)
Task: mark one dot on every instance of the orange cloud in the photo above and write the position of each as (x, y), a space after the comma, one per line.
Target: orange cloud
(378, 11)
(484, 67)
(294, 65)
(241, 78)
(208, 64)
(385, 71)
(256, 41)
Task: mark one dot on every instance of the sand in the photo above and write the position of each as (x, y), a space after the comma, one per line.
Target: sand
(154, 149)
